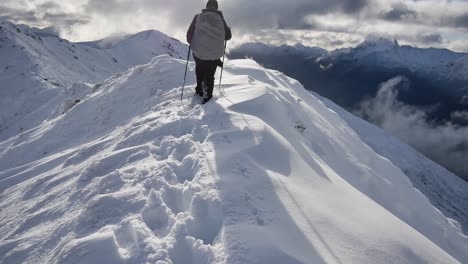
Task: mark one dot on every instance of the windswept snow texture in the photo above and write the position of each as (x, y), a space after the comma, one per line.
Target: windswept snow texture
(266, 173)
(444, 189)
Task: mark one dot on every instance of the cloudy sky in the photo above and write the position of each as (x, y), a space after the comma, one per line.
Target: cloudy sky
(326, 23)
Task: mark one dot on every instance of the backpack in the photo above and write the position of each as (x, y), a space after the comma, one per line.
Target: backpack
(209, 36)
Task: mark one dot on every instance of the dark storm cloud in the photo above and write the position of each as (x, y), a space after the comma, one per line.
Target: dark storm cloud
(400, 13)
(430, 38)
(461, 21)
(355, 6)
(49, 6)
(286, 14)
(294, 24)
(111, 7)
(64, 19)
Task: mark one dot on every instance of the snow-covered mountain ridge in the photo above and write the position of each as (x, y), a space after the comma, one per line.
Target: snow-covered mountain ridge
(37, 67)
(266, 173)
(387, 53)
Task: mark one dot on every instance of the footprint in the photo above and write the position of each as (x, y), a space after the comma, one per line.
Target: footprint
(157, 216)
(189, 250)
(130, 236)
(177, 198)
(207, 219)
(187, 170)
(200, 133)
(182, 149)
(164, 150)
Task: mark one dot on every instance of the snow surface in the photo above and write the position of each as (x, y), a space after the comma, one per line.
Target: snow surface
(444, 189)
(266, 173)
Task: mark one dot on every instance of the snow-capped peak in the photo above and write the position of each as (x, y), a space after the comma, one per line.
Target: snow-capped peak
(148, 36)
(371, 47)
(378, 44)
(385, 53)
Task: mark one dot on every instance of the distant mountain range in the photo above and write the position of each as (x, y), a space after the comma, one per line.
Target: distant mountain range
(437, 77)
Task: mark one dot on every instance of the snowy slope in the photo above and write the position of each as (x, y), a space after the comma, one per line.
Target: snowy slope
(37, 67)
(445, 190)
(265, 174)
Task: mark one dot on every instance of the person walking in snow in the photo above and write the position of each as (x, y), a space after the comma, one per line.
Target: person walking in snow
(207, 34)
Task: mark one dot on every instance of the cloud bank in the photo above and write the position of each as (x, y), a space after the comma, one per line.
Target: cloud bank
(329, 24)
(446, 143)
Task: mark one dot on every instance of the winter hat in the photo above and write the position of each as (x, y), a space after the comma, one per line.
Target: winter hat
(212, 4)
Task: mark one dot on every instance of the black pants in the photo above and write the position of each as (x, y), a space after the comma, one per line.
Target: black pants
(205, 70)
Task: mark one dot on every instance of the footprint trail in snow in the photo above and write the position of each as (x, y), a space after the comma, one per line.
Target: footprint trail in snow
(266, 173)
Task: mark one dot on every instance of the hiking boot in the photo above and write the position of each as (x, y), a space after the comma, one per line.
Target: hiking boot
(206, 99)
(198, 91)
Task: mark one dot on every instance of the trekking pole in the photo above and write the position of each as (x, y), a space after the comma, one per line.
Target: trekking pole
(185, 75)
(221, 77)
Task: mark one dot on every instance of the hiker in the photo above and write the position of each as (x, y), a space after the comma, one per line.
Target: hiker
(207, 34)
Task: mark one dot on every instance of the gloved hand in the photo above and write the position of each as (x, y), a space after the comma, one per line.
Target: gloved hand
(220, 63)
